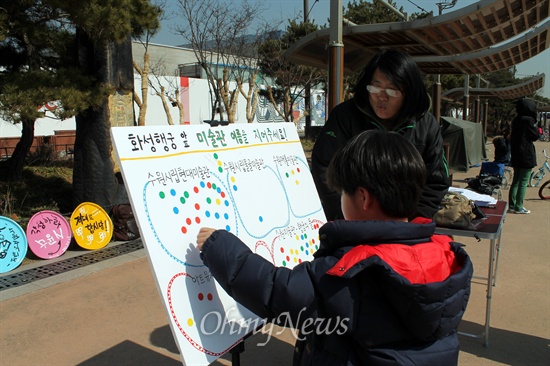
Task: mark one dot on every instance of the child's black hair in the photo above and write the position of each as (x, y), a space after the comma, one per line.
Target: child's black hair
(384, 163)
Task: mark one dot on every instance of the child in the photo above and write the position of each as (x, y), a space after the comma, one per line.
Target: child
(380, 290)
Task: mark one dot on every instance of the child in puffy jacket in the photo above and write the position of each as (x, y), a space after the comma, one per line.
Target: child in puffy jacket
(381, 289)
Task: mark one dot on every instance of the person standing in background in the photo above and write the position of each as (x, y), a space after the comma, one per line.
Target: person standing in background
(523, 154)
(390, 95)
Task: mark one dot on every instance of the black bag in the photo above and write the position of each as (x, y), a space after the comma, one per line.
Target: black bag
(124, 223)
(485, 184)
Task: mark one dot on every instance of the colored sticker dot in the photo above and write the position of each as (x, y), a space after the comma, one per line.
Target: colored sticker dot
(186, 194)
(226, 216)
(215, 156)
(209, 185)
(220, 169)
(162, 195)
(232, 179)
(295, 260)
(307, 252)
(287, 258)
(201, 296)
(176, 210)
(287, 175)
(298, 170)
(261, 219)
(235, 188)
(196, 189)
(297, 237)
(188, 221)
(284, 263)
(210, 297)
(190, 322)
(173, 192)
(283, 250)
(209, 200)
(217, 215)
(292, 172)
(218, 201)
(182, 199)
(184, 229)
(207, 213)
(202, 184)
(198, 220)
(214, 186)
(297, 182)
(226, 203)
(219, 190)
(197, 206)
(219, 163)
(227, 227)
(222, 194)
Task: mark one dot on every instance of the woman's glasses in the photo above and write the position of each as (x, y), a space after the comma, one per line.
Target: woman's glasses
(391, 92)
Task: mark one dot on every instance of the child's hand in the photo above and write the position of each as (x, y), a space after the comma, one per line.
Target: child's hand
(204, 234)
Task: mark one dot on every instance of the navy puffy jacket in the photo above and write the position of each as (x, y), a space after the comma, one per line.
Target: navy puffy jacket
(354, 303)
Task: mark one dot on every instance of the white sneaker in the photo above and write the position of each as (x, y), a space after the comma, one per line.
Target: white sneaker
(523, 210)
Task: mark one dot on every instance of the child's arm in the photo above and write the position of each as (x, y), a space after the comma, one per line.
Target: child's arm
(254, 282)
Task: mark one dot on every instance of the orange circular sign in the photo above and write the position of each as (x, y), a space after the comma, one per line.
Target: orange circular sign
(91, 225)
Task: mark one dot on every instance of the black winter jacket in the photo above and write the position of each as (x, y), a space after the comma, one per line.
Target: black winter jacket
(524, 132)
(356, 290)
(346, 121)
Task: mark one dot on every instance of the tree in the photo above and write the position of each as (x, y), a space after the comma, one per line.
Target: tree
(363, 12)
(290, 78)
(37, 66)
(41, 65)
(151, 77)
(103, 33)
(218, 33)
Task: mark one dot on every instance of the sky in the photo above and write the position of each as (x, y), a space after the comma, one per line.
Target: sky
(319, 11)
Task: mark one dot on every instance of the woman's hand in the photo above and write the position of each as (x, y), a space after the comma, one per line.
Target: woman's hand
(204, 233)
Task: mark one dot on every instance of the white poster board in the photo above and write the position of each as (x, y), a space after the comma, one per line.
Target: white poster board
(250, 179)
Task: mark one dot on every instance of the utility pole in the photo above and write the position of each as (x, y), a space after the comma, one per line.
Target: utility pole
(336, 56)
(307, 96)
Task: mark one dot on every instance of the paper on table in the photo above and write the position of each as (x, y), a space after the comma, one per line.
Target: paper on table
(474, 196)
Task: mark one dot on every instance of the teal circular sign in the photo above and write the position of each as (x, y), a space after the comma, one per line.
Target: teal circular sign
(13, 244)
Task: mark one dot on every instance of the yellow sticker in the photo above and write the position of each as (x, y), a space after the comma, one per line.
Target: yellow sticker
(91, 225)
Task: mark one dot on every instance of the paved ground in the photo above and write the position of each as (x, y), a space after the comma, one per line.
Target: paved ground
(110, 313)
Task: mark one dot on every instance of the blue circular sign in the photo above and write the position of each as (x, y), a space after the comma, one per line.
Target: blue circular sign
(13, 244)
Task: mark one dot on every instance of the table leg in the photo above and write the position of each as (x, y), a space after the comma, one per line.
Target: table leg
(490, 279)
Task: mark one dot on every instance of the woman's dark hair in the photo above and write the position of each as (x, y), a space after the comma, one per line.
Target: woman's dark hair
(384, 163)
(403, 71)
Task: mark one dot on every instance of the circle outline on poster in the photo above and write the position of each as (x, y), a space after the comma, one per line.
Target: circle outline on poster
(56, 230)
(94, 239)
(7, 247)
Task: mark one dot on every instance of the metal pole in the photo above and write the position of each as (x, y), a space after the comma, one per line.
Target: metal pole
(466, 100)
(307, 94)
(336, 56)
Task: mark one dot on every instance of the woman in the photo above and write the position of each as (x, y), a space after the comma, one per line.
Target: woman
(523, 154)
(390, 95)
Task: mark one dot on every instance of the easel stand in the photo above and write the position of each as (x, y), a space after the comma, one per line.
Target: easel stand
(236, 353)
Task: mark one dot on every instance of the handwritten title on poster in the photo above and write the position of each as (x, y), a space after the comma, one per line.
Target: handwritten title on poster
(250, 179)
